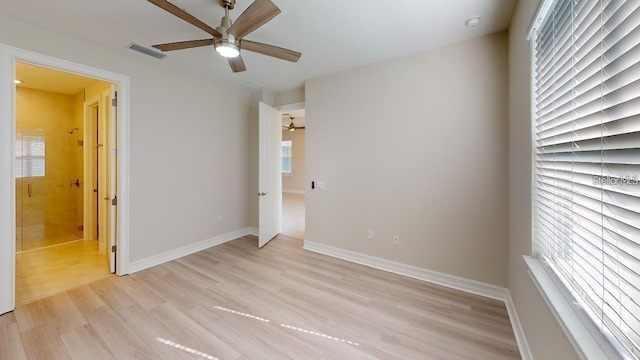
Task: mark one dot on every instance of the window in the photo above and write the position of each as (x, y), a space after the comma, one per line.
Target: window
(586, 113)
(286, 157)
(29, 155)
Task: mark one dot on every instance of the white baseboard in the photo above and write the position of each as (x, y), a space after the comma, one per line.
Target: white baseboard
(291, 191)
(253, 231)
(454, 282)
(164, 257)
(451, 281)
(518, 331)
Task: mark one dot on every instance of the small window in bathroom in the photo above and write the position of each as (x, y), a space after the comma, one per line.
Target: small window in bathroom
(30, 152)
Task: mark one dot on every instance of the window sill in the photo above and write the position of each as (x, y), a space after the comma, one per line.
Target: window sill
(287, 174)
(585, 338)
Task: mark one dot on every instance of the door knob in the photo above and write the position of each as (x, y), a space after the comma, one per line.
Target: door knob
(262, 194)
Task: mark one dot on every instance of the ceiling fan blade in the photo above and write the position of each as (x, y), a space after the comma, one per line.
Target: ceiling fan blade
(183, 44)
(237, 64)
(169, 7)
(270, 50)
(256, 15)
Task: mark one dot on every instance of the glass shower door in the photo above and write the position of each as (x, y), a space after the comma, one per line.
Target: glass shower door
(30, 172)
(47, 186)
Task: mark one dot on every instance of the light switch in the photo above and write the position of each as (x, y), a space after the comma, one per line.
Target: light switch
(321, 185)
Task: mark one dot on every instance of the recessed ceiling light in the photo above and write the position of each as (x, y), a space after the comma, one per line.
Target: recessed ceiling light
(16, 81)
(472, 21)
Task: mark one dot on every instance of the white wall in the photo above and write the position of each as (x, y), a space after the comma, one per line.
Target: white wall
(189, 143)
(415, 146)
(544, 335)
(289, 97)
(296, 181)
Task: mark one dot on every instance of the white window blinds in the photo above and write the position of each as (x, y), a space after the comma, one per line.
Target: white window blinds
(586, 104)
(30, 155)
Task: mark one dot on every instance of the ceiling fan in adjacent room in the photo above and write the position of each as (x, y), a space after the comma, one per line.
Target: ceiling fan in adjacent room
(228, 38)
(291, 126)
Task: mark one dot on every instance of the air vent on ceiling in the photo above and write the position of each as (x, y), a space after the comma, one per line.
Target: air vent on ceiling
(146, 51)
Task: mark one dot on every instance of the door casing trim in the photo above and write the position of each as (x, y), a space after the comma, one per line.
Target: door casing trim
(8, 57)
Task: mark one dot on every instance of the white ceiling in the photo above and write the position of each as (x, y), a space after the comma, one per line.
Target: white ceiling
(332, 35)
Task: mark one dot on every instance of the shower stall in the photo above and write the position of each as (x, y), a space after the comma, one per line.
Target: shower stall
(49, 169)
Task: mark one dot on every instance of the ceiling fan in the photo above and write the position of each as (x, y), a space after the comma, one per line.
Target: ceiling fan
(228, 38)
(292, 126)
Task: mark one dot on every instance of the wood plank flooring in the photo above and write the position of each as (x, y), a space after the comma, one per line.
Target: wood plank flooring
(53, 269)
(293, 220)
(235, 301)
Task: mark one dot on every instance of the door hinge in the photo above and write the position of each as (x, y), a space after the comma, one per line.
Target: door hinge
(80, 227)
(114, 101)
(114, 201)
(113, 248)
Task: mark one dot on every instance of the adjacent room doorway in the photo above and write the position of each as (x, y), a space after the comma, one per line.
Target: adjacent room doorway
(293, 172)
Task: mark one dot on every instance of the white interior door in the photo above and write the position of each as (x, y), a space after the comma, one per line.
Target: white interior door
(113, 182)
(270, 173)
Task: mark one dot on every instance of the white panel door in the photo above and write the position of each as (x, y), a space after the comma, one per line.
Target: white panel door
(270, 173)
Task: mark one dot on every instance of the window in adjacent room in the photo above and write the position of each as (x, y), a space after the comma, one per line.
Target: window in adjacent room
(30, 155)
(286, 157)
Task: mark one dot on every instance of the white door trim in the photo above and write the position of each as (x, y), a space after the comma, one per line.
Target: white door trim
(8, 57)
(89, 213)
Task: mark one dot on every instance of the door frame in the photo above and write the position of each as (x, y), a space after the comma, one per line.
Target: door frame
(89, 152)
(283, 109)
(8, 58)
(97, 175)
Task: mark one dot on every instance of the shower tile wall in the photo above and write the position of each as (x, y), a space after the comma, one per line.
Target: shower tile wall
(54, 212)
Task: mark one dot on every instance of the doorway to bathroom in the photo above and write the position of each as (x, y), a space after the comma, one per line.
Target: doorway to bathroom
(63, 180)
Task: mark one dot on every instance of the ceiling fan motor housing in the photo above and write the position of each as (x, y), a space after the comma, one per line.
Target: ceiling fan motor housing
(225, 24)
(228, 3)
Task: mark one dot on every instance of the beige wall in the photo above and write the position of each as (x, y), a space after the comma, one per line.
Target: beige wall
(289, 97)
(544, 335)
(421, 152)
(296, 181)
(189, 143)
(96, 89)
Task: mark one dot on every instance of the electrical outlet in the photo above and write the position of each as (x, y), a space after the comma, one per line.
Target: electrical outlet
(371, 235)
(396, 240)
(220, 218)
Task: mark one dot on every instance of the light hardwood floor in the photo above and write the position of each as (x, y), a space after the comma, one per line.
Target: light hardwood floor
(53, 269)
(235, 301)
(293, 215)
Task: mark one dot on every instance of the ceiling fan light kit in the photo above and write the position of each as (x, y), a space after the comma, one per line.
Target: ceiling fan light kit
(227, 48)
(228, 38)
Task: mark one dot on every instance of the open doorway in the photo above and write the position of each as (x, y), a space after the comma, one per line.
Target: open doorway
(293, 173)
(62, 171)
